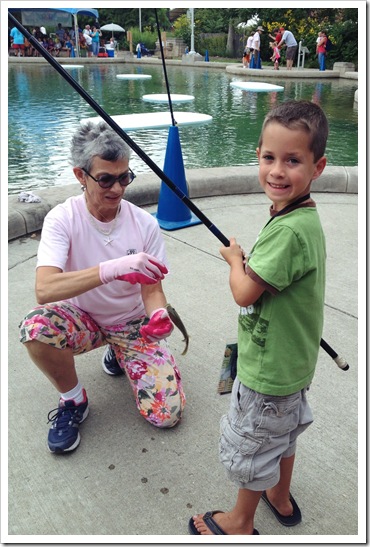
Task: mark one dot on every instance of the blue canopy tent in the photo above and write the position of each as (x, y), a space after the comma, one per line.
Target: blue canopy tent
(73, 11)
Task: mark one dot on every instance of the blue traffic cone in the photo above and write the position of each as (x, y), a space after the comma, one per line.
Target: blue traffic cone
(172, 213)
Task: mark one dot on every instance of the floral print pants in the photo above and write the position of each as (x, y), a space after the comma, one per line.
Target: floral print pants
(150, 368)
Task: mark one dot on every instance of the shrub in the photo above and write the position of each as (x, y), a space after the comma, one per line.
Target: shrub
(181, 29)
(146, 37)
(216, 45)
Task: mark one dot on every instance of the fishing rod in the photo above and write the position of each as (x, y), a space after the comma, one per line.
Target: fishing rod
(136, 148)
(164, 67)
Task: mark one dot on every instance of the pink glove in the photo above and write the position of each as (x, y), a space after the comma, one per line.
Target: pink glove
(138, 268)
(159, 326)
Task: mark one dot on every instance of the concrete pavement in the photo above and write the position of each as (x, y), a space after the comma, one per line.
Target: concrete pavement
(128, 479)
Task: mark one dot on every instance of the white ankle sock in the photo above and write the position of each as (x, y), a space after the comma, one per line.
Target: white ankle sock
(76, 393)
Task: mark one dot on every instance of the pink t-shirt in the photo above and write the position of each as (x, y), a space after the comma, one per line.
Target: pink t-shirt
(70, 242)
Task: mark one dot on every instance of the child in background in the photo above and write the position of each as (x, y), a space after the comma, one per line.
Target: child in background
(246, 57)
(276, 55)
(280, 291)
(69, 45)
(57, 47)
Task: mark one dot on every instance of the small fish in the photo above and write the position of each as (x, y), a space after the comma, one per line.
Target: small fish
(175, 318)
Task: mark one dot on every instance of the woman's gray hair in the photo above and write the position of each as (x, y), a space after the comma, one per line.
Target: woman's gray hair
(97, 139)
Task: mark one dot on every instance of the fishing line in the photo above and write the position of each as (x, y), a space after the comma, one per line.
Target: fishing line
(136, 148)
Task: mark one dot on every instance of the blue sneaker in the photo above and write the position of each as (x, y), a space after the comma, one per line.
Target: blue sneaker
(110, 364)
(63, 434)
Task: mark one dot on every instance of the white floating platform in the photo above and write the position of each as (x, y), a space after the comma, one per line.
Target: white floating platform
(133, 76)
(155, 120)
(163, 98)
(256, 86)
(72, 66)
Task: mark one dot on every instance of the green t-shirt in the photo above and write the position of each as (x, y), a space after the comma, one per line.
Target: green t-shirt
(279, 335)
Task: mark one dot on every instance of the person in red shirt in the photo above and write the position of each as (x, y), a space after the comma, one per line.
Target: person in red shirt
(277, 35)
(321, 49)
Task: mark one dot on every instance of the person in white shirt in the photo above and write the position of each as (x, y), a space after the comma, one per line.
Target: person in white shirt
(250, 41)
(88, 40)
(100, 264)
(256, 45)
(248, 51)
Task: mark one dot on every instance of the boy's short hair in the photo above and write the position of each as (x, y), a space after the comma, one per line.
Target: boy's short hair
(301, 115)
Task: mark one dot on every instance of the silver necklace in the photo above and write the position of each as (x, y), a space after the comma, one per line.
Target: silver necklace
(106, 233)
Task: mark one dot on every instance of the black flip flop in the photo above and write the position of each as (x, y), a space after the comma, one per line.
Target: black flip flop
(291, 520)
(211, 524)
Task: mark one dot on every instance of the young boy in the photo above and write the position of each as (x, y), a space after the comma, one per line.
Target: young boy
(280, 290)
(246, 58)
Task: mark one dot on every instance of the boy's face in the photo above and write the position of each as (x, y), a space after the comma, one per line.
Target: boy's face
(286, 164)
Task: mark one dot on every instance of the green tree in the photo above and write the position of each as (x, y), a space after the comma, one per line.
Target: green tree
(129, 17)
(181, 28)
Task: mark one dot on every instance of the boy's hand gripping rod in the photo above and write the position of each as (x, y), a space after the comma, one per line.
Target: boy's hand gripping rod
(180, 194)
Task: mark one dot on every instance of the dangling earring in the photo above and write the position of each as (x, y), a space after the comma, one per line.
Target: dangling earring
(83, 188)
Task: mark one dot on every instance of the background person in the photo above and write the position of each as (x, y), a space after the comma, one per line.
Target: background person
(321, 50)
(17, 41)
(250, 42)
(246, 57)
(99, 269)
(291, 47)
(280, 290)
(60, 32)
(256, 46)
(95, 36)
(82, 41)
(69, 45)
(276, 37)
(87, 30)
(275, 55)
(112, 43)
(89, 46)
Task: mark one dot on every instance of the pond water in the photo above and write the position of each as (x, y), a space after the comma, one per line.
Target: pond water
(44, 110)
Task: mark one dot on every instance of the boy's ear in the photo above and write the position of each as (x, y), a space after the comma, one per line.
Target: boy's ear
(258, 153)
(319, 168)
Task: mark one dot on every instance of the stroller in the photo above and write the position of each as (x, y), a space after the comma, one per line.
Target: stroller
(144, 50)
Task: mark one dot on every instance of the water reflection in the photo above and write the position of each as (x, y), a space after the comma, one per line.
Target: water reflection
(44, 111)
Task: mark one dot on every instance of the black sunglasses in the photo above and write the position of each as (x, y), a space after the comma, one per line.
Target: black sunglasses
(107, 181)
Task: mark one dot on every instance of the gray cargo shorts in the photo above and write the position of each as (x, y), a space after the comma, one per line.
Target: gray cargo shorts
(257, 432)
